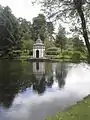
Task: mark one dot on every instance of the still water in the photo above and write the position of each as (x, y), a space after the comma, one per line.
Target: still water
(34, 91)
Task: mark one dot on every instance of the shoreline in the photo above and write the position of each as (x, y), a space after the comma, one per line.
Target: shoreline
(78, 111)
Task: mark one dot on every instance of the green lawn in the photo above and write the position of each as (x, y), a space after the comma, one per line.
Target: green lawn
(81, 111)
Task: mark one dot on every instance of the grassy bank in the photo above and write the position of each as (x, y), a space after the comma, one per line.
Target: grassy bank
(81, 111)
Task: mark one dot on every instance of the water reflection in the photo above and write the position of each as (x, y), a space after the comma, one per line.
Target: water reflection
(42, 79)
(9, 86)
(16, 77)
(37, 66)
(59, 85)
(40, 85)
(38, 69)
(61, 74)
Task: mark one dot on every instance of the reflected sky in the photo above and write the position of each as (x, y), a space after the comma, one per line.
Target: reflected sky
(28, 105)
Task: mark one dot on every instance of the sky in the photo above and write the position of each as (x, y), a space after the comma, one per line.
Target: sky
(25, 9)
(22, 8)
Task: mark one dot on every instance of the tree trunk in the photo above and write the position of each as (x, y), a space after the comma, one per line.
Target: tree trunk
(85, 34)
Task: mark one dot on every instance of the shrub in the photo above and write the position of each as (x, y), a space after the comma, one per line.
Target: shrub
(14, 53)
(66, 52)
(76, 56)
(51, 52)
(52, 49)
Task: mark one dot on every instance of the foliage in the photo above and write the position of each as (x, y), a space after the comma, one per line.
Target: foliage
(69, 44)
(60, 38)
(66, 52)
(27, 45)
(64, 55)
(52, 51)
(25, 28)
(9, 30)
(41, 27)
(76, 56)
(49, 31)
(48, 43)
(78, 45)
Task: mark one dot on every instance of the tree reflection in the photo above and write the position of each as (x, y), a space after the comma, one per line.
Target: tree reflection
(61, 74)
(50, 81)
(8, 82)
(39, 85)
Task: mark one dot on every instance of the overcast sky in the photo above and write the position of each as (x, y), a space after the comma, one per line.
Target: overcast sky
(22, 8)
(25, 9)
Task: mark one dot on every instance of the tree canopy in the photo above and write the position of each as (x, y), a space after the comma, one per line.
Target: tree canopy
(61, 38)
(9, 29)
(42, 27)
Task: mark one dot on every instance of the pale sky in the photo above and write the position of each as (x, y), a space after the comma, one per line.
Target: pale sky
(25, 9)
(22, 8)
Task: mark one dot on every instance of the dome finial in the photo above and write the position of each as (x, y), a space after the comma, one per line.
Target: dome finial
(38, 40)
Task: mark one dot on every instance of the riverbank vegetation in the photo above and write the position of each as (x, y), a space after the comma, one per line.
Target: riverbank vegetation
(76, 112)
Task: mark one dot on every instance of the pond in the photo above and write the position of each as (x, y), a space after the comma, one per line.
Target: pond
(34, 91)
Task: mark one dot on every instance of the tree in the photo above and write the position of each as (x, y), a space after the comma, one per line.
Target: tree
(49, 43)
(74, 9)
(42, 27)
(27, 45)
(9, 30)
(69, 44)
(25, 29)
(78, 45)
(61, 38)
(50, 30)
(39, 27)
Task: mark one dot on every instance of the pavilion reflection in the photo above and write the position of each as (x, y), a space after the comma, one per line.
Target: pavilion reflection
(39, 82)
(42, 79)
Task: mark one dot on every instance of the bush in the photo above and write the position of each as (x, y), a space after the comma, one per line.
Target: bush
(66, 52)
(14, 53)
(51, 52)
(76, 56)
(52, 49)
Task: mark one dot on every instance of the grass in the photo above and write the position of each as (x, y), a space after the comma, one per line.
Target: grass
(81, 111)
